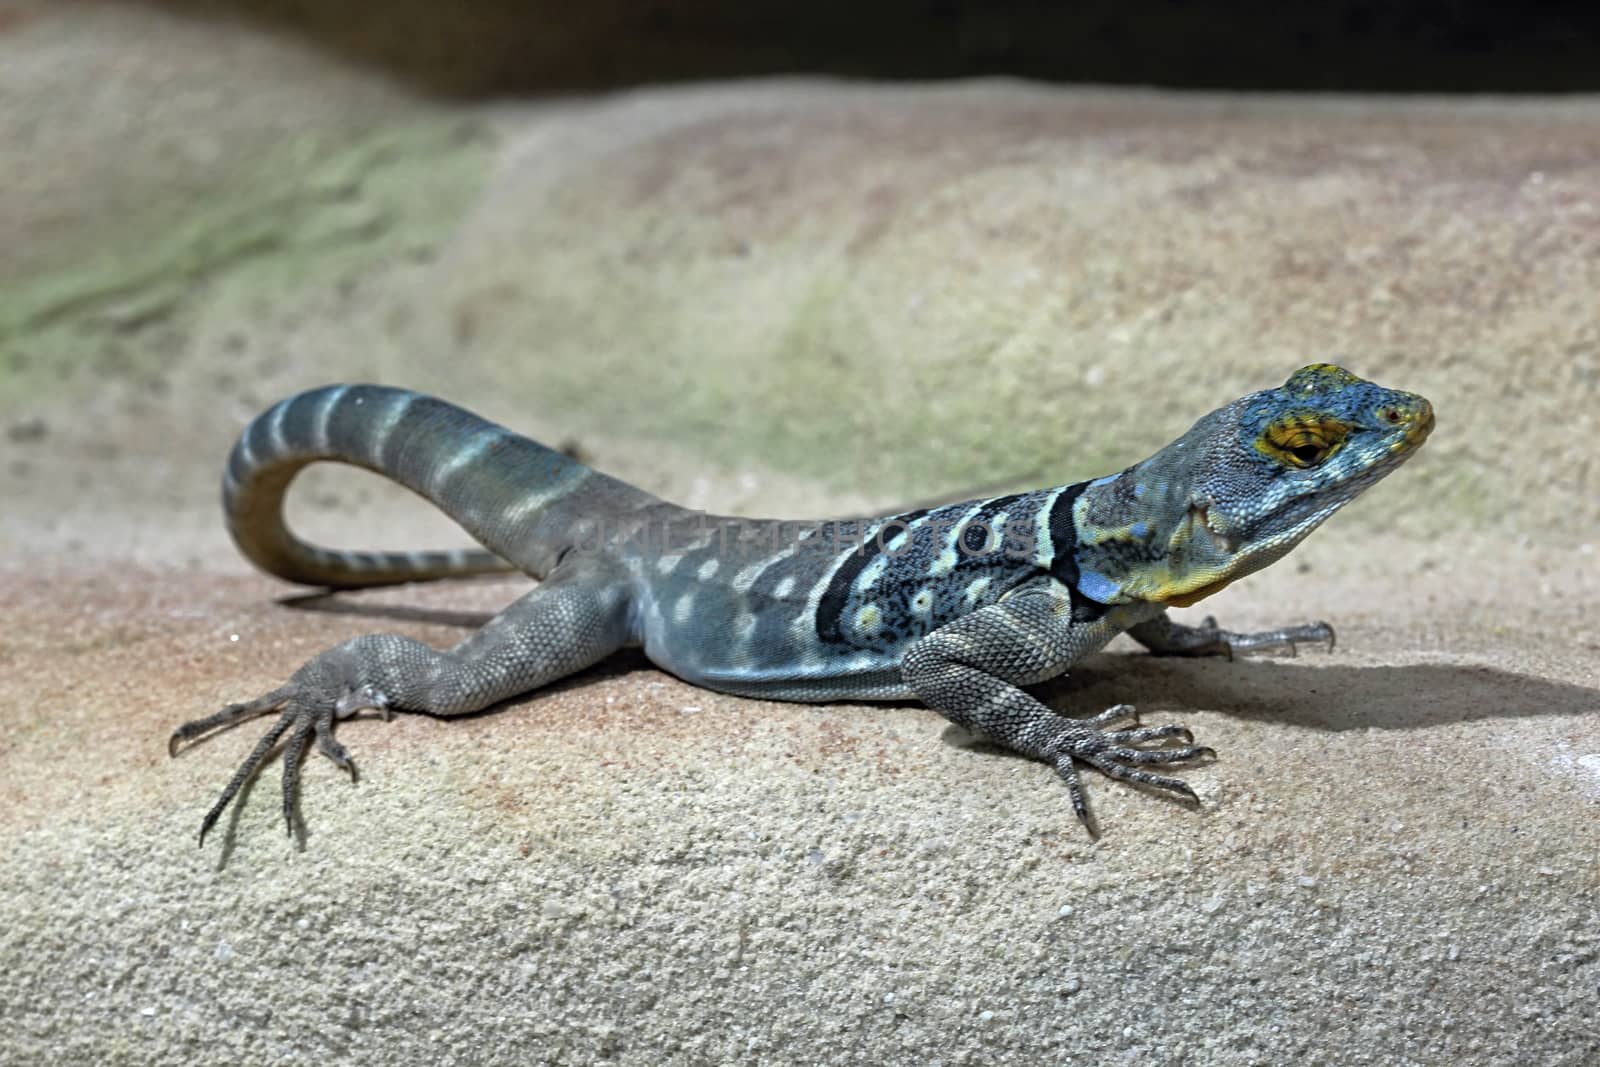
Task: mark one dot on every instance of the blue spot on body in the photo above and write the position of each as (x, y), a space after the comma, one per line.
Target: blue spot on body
(1107, 480)
(1141, 530)
(1098, 587)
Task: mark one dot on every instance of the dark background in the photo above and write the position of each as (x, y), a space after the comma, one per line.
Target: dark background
(491, 47)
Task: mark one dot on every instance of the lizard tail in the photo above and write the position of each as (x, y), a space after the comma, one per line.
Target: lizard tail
(513, 495)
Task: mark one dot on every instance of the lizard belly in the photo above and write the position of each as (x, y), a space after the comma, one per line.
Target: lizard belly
(714, 637)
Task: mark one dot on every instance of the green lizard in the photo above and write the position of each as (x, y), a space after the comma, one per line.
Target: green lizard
(959, 606)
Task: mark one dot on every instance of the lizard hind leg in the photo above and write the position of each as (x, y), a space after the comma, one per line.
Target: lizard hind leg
(570, 621)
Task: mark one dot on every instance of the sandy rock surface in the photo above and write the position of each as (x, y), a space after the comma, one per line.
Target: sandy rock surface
(789, 298)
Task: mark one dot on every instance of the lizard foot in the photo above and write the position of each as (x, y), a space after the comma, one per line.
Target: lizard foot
(1208, 639)
(1113, 751)
(1286, 638)
(306, 711)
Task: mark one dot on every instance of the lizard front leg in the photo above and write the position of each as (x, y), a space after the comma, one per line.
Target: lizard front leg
(1163, 637)
(971, 670)
(572, 620)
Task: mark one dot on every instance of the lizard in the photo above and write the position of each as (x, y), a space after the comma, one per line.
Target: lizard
(962, 606)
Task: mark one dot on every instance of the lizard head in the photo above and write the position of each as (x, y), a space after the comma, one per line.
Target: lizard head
(1246, 484)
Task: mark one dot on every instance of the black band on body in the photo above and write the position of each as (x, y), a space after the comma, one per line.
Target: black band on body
(1064, 547)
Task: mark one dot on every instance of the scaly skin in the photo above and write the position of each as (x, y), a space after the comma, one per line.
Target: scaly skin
(959, 606)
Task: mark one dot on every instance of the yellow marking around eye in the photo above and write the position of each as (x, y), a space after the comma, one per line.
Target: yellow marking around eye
(1301, 429)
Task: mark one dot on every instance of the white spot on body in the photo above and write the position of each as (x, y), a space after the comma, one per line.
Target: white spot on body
(784, 587)
(708, 569)
(922, 602)
(684, 609)
(804, 620)
(904, 532)
(744, 579)
(870, 574)
(868, 620)
(975, 591)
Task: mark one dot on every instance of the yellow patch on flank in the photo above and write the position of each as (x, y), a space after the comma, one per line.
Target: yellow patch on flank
(868, 619)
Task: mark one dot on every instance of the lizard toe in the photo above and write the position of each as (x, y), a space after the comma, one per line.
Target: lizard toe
(1160, 782)
(1069, 774)
(306, 713)
(228, 716)
(1115, 713)
(1150, 733)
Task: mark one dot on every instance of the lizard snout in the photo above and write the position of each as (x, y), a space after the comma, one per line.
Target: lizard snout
(1410, 412)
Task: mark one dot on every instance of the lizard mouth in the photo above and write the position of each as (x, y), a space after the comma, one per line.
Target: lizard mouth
(1420, 429)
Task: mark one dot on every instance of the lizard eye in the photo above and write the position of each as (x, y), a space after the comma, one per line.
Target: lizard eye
(1308, 455)
(1301, 441)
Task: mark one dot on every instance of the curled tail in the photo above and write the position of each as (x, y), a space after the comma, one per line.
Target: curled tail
(513, 495)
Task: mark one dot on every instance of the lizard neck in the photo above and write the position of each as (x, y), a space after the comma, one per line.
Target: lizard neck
(1141, 538)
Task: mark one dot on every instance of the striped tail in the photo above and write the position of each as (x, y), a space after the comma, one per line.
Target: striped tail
(498, 485)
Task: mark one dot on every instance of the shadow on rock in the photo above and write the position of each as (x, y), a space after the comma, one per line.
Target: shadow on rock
(1332, 697)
